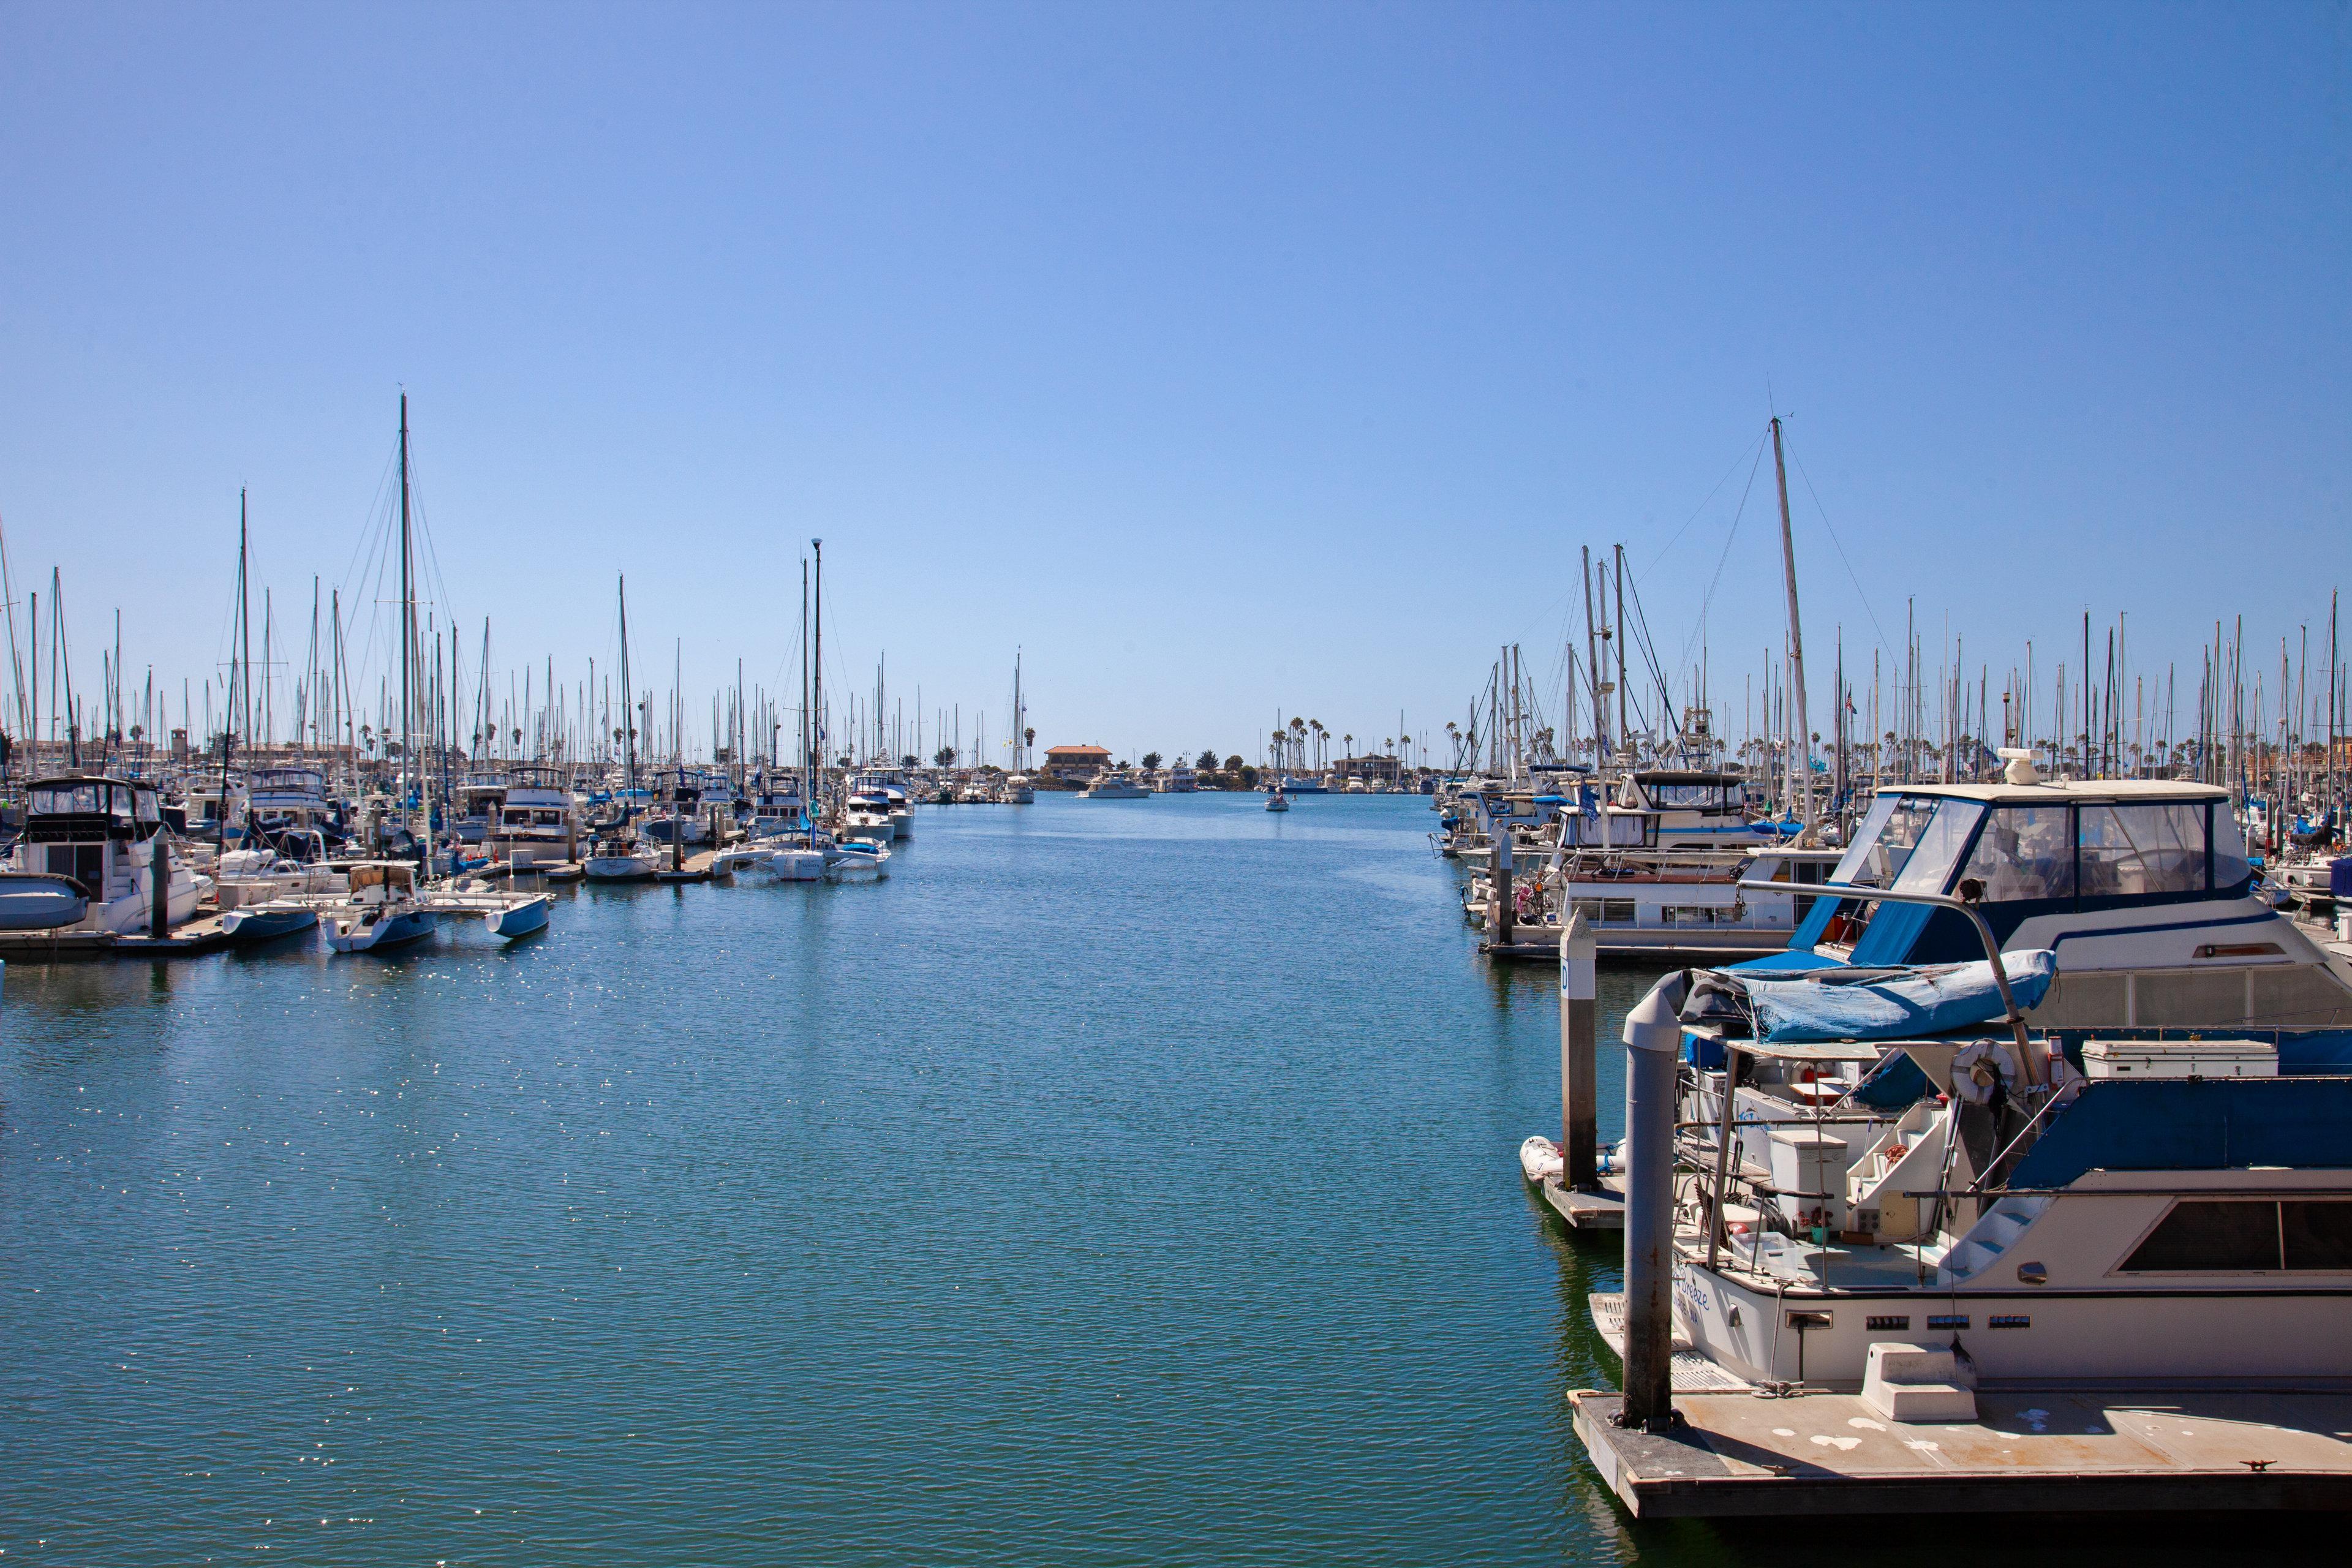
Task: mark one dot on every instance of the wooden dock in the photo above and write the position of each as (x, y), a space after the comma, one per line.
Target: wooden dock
(696, 869)
(189, 939)
(1741, 1455)
(1583, 1210)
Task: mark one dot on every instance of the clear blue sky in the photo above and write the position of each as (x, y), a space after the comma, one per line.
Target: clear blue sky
(1224, 358)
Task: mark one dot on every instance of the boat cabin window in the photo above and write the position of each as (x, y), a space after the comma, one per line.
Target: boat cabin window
(1931, 859)
(2203, 1236)
(2025, 852)
(1682, 795)
(2128, 851)
(58, 799)
(2230, 865)
(1884, 841)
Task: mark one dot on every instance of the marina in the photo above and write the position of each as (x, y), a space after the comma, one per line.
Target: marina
(1190, 786)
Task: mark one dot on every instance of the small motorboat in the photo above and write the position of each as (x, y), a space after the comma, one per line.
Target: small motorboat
(1277, 801)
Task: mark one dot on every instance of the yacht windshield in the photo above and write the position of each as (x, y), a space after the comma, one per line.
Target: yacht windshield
(1938, 849)
(1885, 840)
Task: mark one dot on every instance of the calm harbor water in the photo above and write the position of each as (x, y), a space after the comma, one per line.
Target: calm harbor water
(1116, 1182)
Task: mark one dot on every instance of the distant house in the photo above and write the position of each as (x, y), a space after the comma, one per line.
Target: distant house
(1075, 762)
(1374, 769)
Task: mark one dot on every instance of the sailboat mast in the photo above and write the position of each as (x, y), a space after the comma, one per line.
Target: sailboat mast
(244, 620)
(816, 669)
(1801, 750)
(808, 773)
(408, 616)
(628, 696)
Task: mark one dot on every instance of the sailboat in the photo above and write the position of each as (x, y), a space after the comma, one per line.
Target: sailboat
(618, 852)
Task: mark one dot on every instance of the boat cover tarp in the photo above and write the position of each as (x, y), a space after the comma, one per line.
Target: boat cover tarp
(1856, 1004)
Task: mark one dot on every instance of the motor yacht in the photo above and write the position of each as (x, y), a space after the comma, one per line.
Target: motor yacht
(102, 832)
(1114, 784)
(537, 822)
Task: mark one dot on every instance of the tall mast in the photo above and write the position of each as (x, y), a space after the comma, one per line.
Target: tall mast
(407, 616)
(1800, 749)
(816, 666)
(1592, 668)
(15, 662)
(243, 621)
(1617, 577)
(808, 773)
(629, 697)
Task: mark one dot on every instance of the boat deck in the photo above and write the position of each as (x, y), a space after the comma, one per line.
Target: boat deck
(1736, 1455)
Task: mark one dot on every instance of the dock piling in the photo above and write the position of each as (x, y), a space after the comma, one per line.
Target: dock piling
(1502, 881)
(1653, 1038)
(1579, 1100)
(159, 873)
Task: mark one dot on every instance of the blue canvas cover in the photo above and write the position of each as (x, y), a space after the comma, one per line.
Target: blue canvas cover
(1891, 1005)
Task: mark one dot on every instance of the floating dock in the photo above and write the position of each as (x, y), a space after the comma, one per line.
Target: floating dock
(1749, 1455)
(1582, 1209)
(189, 939)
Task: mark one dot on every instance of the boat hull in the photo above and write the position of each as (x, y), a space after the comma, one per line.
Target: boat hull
(522, 918)
(381, 936)
(251, 924)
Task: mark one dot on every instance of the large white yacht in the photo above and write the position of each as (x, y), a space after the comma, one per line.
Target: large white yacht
(101, 832)
(2142, 889)
(537, 824)
(1114, 784)
(2040, 1095)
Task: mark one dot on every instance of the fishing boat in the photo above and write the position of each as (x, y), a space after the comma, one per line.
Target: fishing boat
(382, 911)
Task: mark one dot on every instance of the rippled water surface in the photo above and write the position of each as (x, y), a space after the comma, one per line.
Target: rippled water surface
(1119, 1182)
